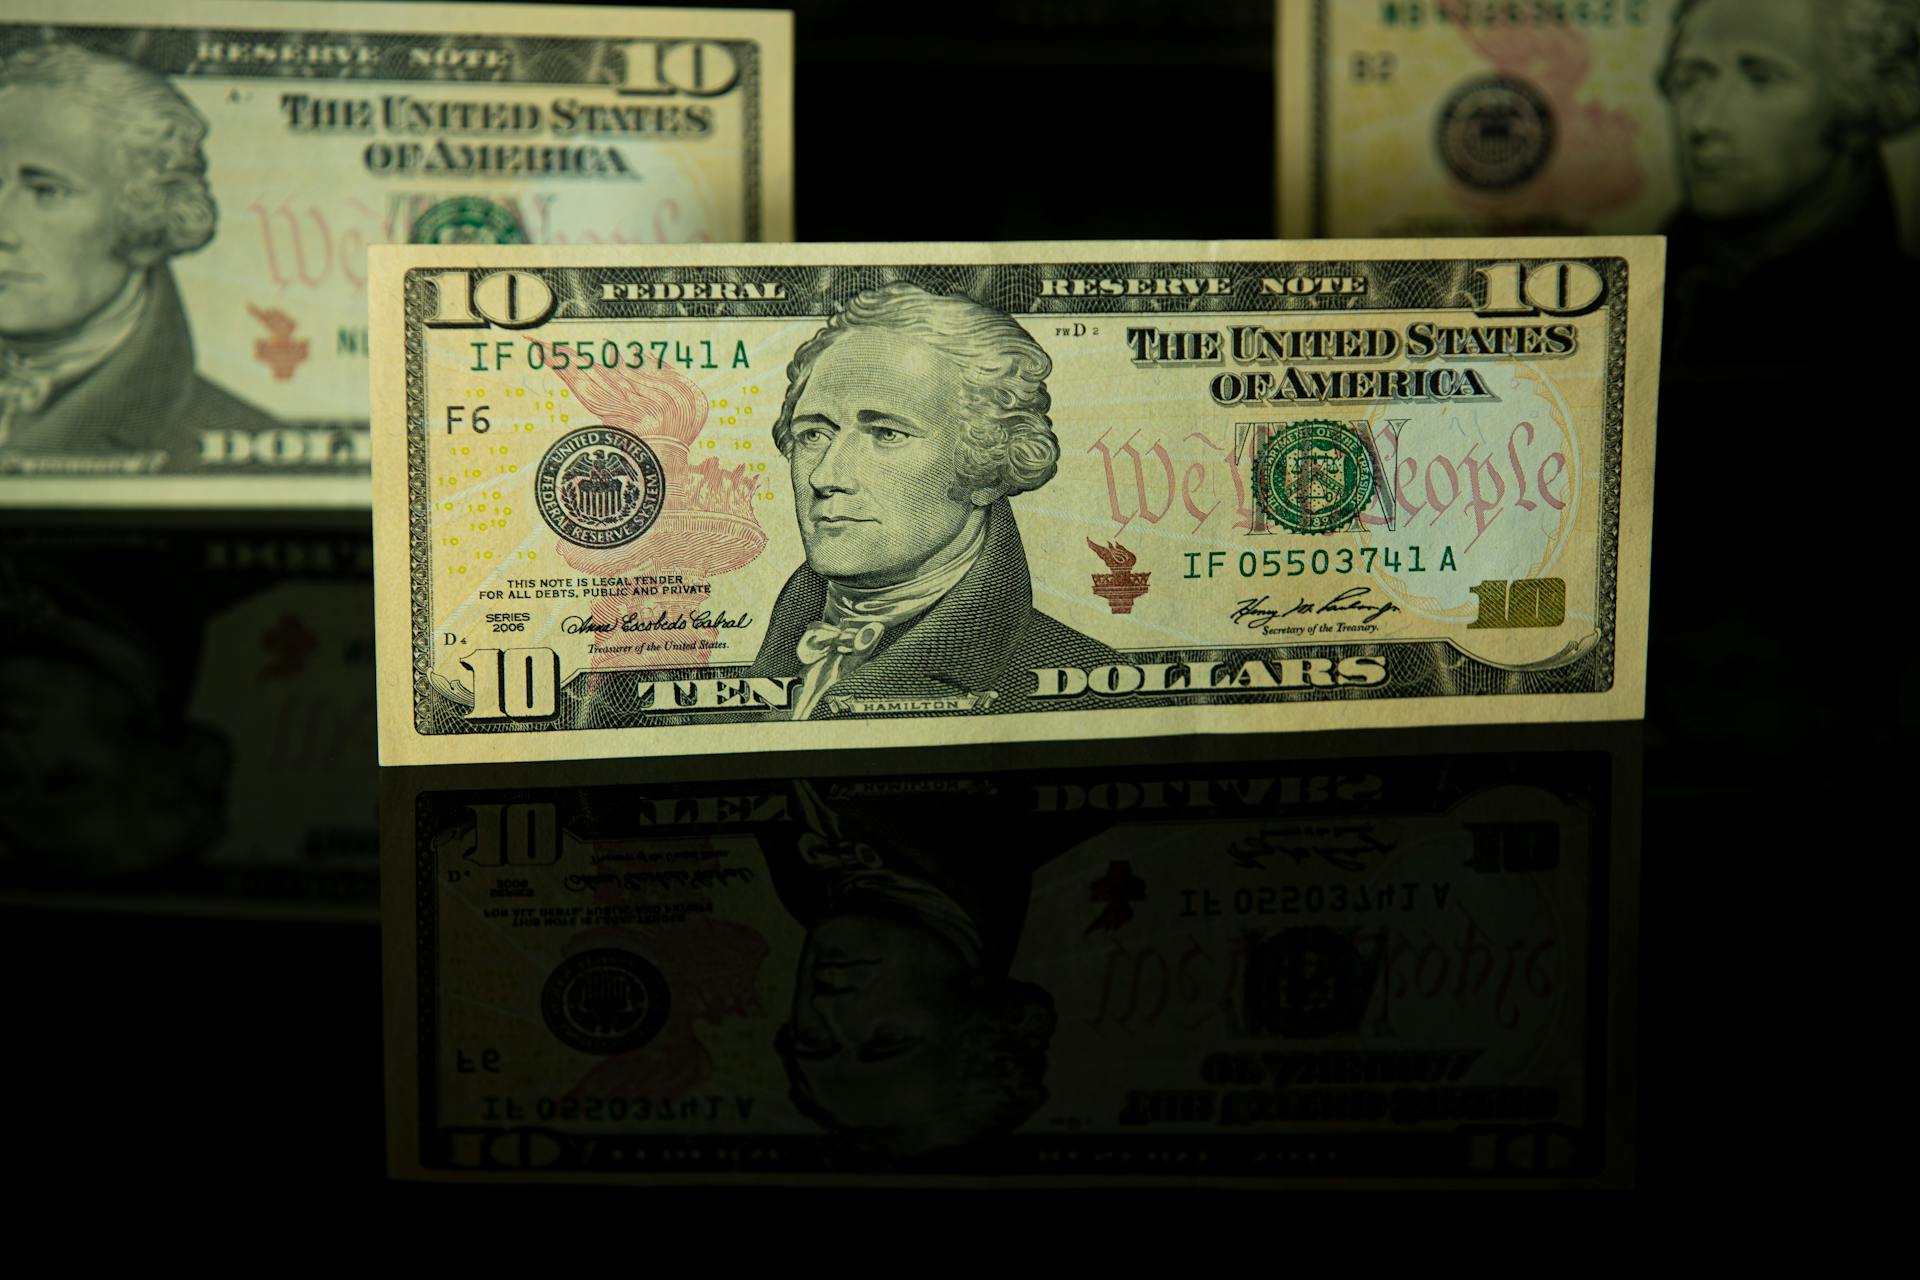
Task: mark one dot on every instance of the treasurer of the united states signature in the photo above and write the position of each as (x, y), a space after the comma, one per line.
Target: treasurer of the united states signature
(698, 619)
(1257, 615)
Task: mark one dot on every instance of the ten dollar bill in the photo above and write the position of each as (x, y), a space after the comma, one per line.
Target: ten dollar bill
(728, 499)
(1476, 117)
(183, 267)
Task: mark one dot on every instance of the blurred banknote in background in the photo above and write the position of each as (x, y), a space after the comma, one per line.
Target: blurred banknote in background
(1765, 138)
(789, 496)
(189, 197)
(186, 720)
(1401, 971)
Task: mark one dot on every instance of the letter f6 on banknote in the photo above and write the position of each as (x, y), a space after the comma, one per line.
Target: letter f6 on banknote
(691, 499)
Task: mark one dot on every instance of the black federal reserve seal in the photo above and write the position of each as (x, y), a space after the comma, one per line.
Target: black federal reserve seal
(600, 487)
(1304, 983)
(467, 220)
(1315, 476)
(605, 1001)
(1495, 132)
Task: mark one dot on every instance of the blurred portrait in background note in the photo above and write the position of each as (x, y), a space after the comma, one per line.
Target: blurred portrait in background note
(1780, 110)
(103, 180)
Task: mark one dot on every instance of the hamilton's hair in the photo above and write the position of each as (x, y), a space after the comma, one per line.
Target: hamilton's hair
(1004, 1031)
(1875, 47)
(164, 206)
(1008, 441)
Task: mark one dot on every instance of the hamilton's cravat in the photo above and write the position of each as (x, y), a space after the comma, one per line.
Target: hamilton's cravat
(855, 619)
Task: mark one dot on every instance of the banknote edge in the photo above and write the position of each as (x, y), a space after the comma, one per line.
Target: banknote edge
(1612, 481)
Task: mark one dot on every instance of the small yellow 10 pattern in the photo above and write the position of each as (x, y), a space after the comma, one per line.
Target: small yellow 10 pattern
(729, 413)
(471, 467)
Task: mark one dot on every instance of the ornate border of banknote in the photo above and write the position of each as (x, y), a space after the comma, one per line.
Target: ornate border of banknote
(419, 723)
(1300, 182)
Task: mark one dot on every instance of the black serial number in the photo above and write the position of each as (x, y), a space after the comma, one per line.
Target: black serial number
(1293, 899)
(617, 1109)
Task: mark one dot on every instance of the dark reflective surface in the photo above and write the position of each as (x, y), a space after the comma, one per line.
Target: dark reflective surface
(1300, 963)
(1399, 960)
(189, 719)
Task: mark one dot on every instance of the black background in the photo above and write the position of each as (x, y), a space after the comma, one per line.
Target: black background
(227, 1058)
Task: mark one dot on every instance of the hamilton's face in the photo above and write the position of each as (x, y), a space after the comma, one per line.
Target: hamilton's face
(65, 766)
(875, 1013)
(1752, 121)
(874, 457)
(58, 183)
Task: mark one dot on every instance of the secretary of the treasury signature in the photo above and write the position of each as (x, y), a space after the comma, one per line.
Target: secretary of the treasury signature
(1257, 615)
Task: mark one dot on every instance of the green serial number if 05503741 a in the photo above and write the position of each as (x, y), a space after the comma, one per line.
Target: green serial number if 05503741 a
(1319, 561)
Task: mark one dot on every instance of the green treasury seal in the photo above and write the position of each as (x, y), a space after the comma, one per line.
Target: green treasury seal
(467, 220)
(1315, 476)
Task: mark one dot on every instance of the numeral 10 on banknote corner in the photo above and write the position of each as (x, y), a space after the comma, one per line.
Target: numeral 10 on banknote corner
(515, 684)
(512, 835)
(1556, 288)
(507, 299)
